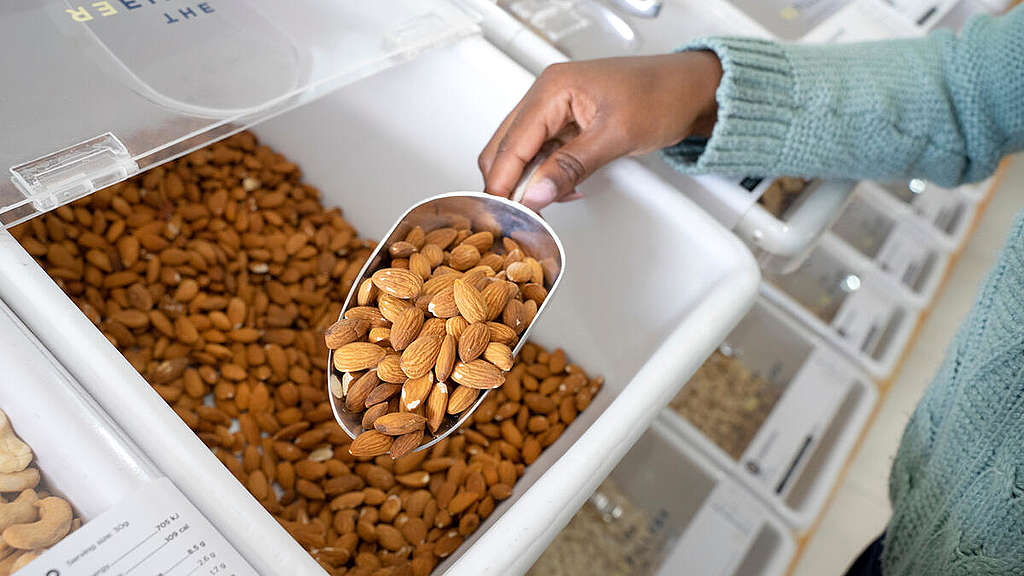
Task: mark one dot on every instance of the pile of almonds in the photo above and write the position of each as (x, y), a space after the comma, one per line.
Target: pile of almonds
(395, 367)
(217, 276)
(31, 519)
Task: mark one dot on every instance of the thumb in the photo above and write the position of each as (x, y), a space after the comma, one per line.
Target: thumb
(566, 167)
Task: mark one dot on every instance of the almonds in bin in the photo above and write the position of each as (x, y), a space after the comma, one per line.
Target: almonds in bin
(431, 329)
(216, 275)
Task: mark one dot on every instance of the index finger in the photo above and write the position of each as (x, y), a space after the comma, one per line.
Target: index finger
(539, 119)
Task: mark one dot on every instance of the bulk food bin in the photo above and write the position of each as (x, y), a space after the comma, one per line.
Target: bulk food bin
(653, 284)
(855, 307)
(863, 21)
(949, 213)
(559, 31)
(667, 510)
(901, 247)
(85, 458)
(795, 453)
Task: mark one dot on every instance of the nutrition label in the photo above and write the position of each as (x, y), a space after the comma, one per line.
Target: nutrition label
(155, 532)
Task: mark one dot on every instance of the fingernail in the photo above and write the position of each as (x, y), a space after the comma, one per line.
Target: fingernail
(540, 193)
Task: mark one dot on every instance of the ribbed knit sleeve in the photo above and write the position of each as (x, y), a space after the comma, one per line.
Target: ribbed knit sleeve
(945, 108)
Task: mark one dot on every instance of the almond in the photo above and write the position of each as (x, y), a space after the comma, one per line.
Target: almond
(380, 336)
(464, 257)
(372, 413)
(421, 355)
(470, 303)
(473, 341)
(534, 292)
(406, 328)
(398, 423)
(381, 393)
(482, 241)
(416, 237)
(441, 237)
(492, 261)
(359, 390)
(391, 307)
(415, 391)
(445, 358)
(530, 311)
(478, 374)
(442, 305)
(433, 254)
(369, 443)
(345, 331)
(536, 270)
(461, 398)
(514, 316)
(496, 295)
(371, 314)
(433, 327)
(397, 282)
(406, 443)
(437, 405)
(500, 355)
(420, 265)
(519, 272)
(455, 326)
(367, 294)
(389, 369)
(502, 333)
(401, 249)
(358, 356)
(440, 282)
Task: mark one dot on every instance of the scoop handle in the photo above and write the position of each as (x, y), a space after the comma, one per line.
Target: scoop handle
(531, 168)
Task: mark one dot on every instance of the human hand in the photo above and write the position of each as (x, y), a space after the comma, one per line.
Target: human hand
(599, 110)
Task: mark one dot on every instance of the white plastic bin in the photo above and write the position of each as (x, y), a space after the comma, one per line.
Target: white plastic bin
(86, 458)
(949, 213)
(863, 21)
(592, 29)
(701, 522)
(901, 247)
(680, 283)
(855, 307)
(794, 460)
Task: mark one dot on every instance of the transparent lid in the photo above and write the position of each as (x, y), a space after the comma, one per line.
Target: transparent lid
(98, 91)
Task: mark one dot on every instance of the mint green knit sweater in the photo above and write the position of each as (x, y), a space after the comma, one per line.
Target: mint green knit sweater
(944, 108)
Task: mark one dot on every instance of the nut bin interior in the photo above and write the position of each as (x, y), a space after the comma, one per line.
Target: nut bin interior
(852, 305)
(789, 452)
(373, 149)
(901, 248)
(667, 510)
(152, 80)
(79, 451)
(949, 212)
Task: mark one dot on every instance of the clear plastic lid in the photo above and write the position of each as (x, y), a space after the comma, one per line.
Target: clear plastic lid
(98, 91)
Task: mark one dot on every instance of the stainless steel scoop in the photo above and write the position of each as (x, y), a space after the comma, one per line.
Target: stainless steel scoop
(502, 217)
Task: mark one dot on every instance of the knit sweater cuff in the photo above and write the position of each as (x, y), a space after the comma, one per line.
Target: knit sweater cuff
(755, 110)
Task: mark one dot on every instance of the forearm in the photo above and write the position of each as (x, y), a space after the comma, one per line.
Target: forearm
(943, 108)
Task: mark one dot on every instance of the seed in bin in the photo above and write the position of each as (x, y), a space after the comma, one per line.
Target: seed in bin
(239, 270)
(419, 344)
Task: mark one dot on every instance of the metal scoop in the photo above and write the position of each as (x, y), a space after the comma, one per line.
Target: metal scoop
(502, 217)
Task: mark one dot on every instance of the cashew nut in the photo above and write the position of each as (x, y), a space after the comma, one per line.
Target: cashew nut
(24, 559)
(7, 564)
(20, 511)
(15, 455)
(18, 481)
(54, 523)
